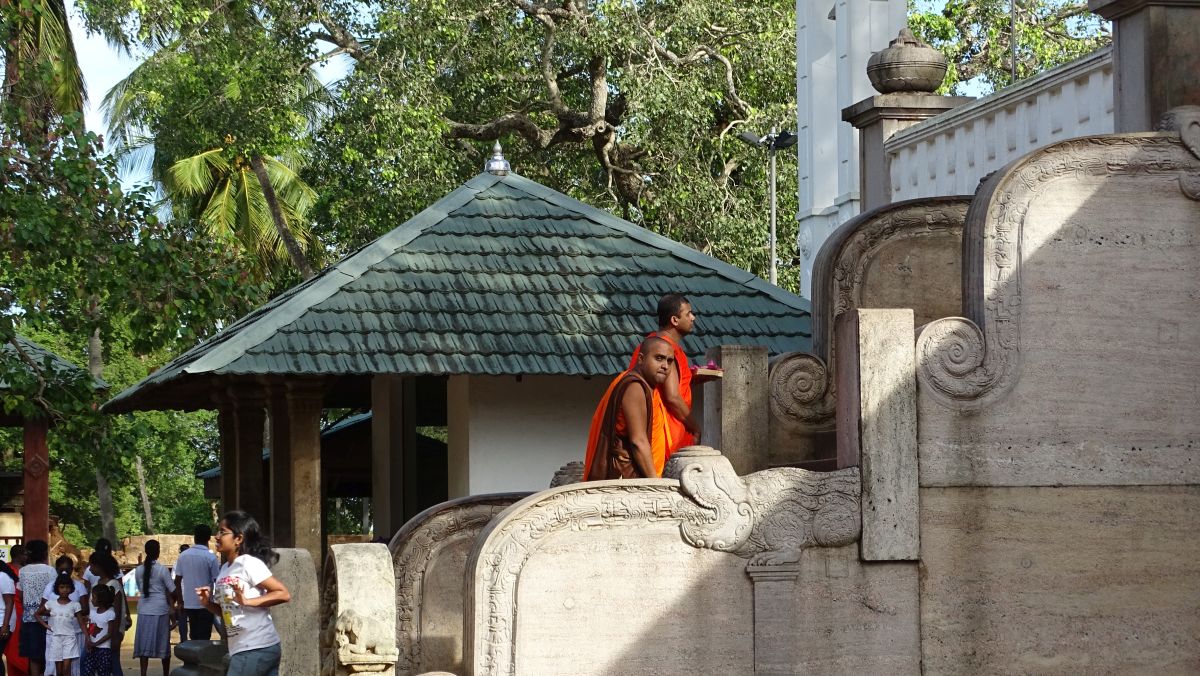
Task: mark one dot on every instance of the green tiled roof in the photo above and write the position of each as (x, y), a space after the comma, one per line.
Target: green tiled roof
(501, 276)
(49, 361)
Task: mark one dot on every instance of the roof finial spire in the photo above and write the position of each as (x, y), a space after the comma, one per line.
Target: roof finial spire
(496, 164)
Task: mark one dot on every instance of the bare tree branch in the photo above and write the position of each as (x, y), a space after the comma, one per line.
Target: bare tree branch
(516, 123)
(698, 54)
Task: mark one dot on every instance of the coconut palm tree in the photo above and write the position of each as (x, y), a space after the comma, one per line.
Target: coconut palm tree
(247, 191)
(41, 71)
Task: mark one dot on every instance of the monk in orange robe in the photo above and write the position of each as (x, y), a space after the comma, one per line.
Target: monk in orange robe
(620, 439)
(675, 320)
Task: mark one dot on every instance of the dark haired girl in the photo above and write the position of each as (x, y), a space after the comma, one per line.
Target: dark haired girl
(245, 590)
(32, 581)
(153, 635)
(103, 548)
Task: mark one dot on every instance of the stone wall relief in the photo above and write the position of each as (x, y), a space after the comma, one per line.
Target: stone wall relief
(413, 550)
(768, 518)
(802, 385)
(966, 363)
(358, 615)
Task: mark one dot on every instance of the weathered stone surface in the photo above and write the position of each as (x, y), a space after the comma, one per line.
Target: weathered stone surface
(735, 406)
(557, 575)
(1060, 580)
(297, 620)
(1064, 371)
(854, 617)
(429, 558)
(358, 611)
(882, 368)
(903, 255)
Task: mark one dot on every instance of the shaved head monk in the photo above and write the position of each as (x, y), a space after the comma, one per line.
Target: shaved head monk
(619, 442)
(674, 396)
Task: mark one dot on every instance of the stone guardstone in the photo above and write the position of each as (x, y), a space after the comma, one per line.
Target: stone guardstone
(201, 658)
(358, 611)
(296, 620)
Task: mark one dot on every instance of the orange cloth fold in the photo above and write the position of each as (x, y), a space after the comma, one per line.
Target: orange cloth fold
(674, 431)
(597, 434)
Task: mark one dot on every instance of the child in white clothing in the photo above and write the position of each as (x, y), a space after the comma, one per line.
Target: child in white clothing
(64, 621)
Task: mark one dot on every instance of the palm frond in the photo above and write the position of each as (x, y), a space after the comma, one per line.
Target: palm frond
(196, 175)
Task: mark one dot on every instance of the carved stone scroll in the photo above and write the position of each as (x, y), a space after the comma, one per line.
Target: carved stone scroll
(967, 362)
(439, 536)
(768, 517)
(900, 255)
(358, 633)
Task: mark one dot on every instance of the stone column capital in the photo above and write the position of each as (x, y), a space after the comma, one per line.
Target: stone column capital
(1116, 9)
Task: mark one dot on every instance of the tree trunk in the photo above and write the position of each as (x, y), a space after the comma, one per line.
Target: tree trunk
(108, 516)
(145, 496)
(281, 227)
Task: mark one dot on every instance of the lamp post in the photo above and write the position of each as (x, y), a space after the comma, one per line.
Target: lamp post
(776, 140)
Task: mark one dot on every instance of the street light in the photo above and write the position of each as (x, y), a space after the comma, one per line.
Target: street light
(776, 140)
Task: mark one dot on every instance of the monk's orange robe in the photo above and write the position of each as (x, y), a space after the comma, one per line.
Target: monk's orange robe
(676, 434)
(608, 422)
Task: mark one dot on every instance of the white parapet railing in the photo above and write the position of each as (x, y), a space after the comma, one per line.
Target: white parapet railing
(950, 153)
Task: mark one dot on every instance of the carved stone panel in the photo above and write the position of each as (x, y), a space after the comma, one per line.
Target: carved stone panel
(358, 617)
(429, 557)
(903, 255)
(648, 575)
(1075, 361)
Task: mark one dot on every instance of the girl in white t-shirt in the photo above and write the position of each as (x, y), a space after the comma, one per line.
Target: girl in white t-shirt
(244, 592)
(63, 620)
(102, 627)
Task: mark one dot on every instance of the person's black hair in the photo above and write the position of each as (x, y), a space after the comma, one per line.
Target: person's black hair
(37, 551)
(152, 550)
(254, 542)
(669, 306)
(106, 565)
(103, 545)
(104, 594)
(201, 534)
(64, 559)
(63, 580)
(17, 551)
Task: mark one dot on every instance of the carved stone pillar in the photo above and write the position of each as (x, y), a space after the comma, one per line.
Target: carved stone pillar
(736, 409)
(36, 514)
(249, 418)
(304, 401)
(280, 468)
(776, 651)
(1155, 59)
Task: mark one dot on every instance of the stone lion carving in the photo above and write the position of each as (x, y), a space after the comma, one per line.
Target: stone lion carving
(358, 636)
(771, 516)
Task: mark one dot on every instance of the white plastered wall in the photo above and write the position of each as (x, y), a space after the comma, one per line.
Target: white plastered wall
(512, 435)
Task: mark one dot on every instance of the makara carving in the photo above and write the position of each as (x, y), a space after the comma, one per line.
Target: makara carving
(771, 516)
(416, 546)
(768, 517)
(802, 386)
(967, 362)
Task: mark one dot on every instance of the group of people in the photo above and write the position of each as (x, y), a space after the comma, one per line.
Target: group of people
(645, 414)
(75, 627)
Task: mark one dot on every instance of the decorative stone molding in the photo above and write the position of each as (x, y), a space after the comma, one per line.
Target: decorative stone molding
(802, 385)
(966, 362)
(1186, 121)
(570, 473)
(358, 632)
(414, 548)
(768, 517)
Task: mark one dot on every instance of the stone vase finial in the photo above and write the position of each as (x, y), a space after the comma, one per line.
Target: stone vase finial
(907, 65)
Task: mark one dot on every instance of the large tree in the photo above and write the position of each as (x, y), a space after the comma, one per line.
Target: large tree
(977, 37)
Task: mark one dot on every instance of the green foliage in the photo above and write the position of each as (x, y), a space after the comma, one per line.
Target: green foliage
(42, 79)
(627, 106)
(976, 37)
